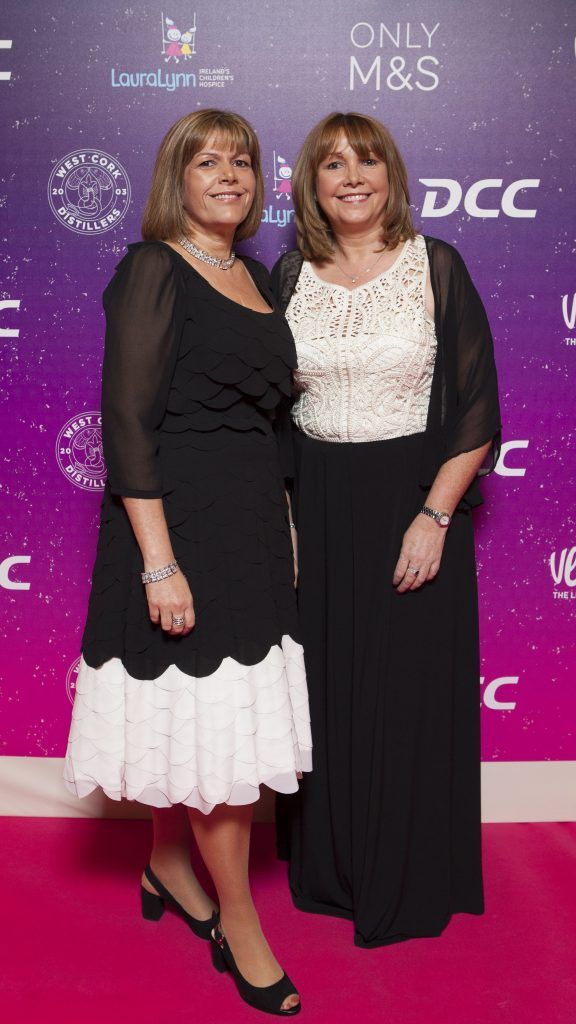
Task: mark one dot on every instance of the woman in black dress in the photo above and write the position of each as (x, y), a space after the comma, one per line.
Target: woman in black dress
(191, 691)
(396, 412)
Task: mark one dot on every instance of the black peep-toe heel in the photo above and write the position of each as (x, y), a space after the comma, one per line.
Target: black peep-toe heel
(153, 907)
(269, 999)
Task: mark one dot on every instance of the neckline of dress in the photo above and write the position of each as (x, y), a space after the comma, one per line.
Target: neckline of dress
(358, 287)
(258, 312)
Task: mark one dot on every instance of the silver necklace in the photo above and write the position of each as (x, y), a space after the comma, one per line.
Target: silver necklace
(201, 254)
(360, 272)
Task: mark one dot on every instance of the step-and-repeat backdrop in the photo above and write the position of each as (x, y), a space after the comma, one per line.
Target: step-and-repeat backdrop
(481, 101)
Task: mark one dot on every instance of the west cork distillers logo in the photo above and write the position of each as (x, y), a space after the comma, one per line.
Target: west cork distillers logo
(79, 451)
(281, 212)
(89, 191)
(176, 53)
(396, 56)
(71, 678)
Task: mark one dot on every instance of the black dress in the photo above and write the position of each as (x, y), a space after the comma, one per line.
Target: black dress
(191, 380)
(386, 830)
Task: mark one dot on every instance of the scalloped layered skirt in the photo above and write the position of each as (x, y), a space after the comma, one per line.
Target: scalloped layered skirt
(196, 741)
(206, 718)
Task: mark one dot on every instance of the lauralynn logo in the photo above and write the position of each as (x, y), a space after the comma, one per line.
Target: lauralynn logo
(280, 213)
(177, 48)
(89, 191)
(79, 451)
(177, 45)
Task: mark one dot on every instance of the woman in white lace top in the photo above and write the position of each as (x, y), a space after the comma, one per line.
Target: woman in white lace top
(395, 416)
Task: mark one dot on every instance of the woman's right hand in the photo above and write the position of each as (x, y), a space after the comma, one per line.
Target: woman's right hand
(168, 598)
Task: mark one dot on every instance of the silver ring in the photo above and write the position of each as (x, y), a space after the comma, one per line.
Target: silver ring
(178, 620)
(415, 572)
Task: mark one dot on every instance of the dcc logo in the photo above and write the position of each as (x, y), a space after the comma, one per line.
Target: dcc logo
(6, 579)
(509, 463)
(496, 694)
(9, 332)
(5, 44)
(476, 203)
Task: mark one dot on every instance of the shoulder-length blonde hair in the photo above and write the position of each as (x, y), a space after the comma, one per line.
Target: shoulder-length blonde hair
(366, 136)
(164, 215)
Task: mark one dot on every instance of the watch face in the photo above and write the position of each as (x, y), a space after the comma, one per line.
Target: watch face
(444, 519)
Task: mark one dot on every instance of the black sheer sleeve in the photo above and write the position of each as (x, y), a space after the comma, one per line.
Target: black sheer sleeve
(475, 417)
(283, 279)
(140, 354)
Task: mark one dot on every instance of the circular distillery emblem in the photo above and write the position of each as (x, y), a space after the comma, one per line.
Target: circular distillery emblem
(79, 451)
(71, 677)
(89, 191)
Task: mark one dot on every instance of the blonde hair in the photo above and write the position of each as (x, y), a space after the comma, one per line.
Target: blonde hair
(366, 136)
(164, 215)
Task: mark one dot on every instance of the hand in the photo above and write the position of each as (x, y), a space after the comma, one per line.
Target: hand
(171, 597)
(422, 547)
(294, 536)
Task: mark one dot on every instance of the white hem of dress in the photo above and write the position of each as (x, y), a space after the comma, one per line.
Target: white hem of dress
(180, 739)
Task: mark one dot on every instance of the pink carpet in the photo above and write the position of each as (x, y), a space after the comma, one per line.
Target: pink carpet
(75, 948)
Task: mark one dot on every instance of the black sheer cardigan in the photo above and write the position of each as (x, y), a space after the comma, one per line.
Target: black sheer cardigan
(464, 411)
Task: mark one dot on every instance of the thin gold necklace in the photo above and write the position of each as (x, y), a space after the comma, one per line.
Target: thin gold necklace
(360, 272)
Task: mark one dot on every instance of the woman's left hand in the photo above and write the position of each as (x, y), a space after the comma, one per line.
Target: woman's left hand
(422, 547)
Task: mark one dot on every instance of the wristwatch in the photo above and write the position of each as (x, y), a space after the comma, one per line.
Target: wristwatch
(442, 518)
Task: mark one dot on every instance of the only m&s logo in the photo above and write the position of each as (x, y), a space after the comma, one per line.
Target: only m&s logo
(563, 569)
(281, 212)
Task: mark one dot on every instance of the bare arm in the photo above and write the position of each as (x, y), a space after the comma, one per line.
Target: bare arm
(166, 597)
(423, 542)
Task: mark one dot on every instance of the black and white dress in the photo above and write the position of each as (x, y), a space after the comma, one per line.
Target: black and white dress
(191, 381)
(386, 829)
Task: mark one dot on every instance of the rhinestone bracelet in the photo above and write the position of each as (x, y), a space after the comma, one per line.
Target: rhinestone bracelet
(159, 574)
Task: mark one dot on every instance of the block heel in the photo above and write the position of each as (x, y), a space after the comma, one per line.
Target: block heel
(152, 905)
(269, 999)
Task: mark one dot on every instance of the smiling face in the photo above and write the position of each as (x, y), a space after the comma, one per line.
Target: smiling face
(352, 190)
(218, 186)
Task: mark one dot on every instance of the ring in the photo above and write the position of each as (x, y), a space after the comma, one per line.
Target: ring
(415, 572)
(178, 620)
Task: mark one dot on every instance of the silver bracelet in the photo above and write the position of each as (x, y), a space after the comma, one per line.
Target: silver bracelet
(154, 575)
(292, 525)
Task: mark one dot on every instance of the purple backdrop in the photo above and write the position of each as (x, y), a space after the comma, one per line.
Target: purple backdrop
(481, 102)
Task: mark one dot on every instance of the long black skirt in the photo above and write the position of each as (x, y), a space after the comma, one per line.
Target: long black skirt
(385, 831)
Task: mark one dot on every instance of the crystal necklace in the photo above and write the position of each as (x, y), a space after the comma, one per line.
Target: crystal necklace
(201, 254)
(360, 272)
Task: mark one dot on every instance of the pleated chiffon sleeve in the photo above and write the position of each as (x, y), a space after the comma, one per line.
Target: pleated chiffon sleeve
(142, 334)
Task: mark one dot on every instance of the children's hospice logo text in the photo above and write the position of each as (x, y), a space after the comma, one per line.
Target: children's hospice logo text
(178, 48)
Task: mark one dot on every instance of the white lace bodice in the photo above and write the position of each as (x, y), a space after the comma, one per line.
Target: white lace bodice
(366, 356)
